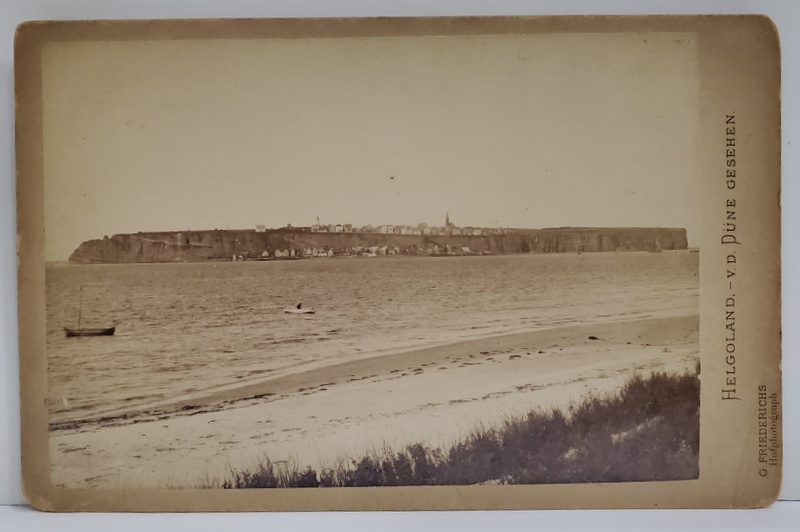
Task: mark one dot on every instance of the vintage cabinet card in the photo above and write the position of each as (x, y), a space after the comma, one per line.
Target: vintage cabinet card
(434, 263)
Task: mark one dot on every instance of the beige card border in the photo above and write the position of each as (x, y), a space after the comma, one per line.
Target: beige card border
(740, 74)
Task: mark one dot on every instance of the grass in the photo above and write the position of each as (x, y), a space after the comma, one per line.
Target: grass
(648, 430)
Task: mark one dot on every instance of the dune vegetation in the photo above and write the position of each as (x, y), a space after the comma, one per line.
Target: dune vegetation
(647, 431)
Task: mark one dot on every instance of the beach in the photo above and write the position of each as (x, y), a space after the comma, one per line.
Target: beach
(318, 413)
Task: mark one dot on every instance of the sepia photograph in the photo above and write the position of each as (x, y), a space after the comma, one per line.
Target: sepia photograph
(372, 261)
(373, 264)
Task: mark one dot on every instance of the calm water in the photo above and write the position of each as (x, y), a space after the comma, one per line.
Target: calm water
(185, 329)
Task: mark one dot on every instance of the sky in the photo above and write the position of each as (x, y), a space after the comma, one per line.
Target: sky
(499, 131)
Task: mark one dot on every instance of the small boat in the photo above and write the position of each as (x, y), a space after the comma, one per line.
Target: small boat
(295, 310)
(104, 331)
(108, 331)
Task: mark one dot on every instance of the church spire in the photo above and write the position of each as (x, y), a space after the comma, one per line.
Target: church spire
(447, 220)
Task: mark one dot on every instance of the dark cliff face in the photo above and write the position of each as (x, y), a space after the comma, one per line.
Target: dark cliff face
(179, 246)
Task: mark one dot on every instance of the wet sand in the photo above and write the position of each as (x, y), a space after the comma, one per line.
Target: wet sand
(322, 414)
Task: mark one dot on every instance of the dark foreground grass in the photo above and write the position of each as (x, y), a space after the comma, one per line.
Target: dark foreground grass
(647, 431)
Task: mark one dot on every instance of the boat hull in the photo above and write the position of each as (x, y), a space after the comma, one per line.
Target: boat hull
(299, 310)
(89, 332)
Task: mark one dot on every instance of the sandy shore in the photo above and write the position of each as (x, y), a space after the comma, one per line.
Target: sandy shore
(314, 417)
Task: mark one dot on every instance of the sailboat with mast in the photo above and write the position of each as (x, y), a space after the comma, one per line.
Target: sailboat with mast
(107, 331)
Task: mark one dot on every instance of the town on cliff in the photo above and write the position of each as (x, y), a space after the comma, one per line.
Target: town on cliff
(449, 229)
(344, 240)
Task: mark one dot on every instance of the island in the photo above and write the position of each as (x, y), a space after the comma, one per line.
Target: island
(343, 240)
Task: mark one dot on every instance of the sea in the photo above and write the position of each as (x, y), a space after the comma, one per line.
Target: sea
(185, 329)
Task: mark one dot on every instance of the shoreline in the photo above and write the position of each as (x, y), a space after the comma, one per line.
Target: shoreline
(217, 260)
(318, 374)
(312, 417)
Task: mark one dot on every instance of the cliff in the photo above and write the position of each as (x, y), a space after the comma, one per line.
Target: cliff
(179, 246)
